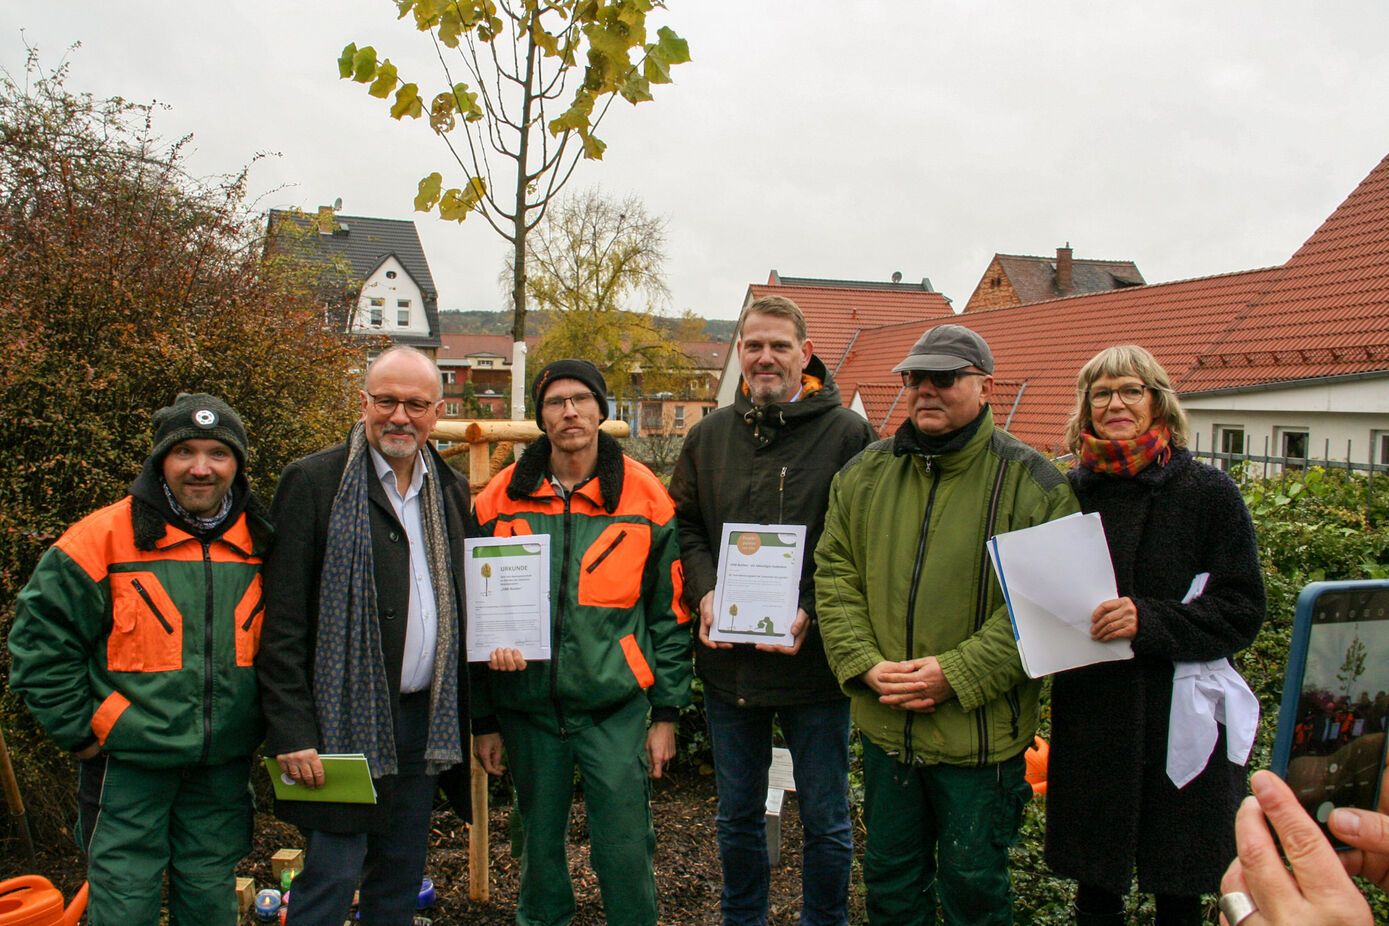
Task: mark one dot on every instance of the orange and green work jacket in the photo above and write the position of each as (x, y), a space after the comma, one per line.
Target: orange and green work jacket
(618, 626)
(148, 650)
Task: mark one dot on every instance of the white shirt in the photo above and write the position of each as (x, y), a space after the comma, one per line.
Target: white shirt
(422, 627)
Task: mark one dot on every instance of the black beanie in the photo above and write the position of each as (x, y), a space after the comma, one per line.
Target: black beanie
(582, 370)
(198, 416)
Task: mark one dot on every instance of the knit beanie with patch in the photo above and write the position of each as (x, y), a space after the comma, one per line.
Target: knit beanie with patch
(197, 416)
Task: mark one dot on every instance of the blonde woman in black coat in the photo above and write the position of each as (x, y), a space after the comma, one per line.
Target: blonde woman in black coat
(1112, 807)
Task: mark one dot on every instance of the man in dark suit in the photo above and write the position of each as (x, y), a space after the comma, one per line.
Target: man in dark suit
(363, 643)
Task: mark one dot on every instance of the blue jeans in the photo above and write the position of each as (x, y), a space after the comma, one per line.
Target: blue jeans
(389, 864)
(818, 737)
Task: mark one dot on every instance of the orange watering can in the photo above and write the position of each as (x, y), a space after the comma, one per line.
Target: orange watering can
(30, 900)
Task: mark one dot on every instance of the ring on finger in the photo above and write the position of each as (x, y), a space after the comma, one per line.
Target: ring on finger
(1237, 907)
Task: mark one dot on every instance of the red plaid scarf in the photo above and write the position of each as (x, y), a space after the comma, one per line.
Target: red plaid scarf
(1126, 457)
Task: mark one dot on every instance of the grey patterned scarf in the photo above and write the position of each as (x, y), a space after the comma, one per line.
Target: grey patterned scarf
(350, 684)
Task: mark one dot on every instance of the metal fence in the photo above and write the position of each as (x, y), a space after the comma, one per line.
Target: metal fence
(1266, 465)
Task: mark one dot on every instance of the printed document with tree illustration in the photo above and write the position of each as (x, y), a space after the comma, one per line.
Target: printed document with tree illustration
(508, 584)
(759, 583)
(1053, 576)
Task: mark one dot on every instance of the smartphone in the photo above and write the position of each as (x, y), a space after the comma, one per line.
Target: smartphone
(1332, 725)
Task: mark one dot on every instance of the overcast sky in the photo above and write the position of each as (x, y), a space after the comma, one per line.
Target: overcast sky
(827, 139)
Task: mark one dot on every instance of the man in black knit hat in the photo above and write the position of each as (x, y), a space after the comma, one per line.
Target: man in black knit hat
(607, 700)
(133, 645)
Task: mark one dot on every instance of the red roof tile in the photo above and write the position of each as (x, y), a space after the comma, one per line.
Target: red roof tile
(1326, 313)
(456, 347)
(839, 308)
(1039, 348)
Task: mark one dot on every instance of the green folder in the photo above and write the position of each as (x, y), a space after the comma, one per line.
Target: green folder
(346, 780)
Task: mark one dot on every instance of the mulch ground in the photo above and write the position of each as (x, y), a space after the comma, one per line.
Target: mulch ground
(687, 862)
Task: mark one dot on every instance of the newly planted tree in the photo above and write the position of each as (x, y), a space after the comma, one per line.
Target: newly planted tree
(521, 90)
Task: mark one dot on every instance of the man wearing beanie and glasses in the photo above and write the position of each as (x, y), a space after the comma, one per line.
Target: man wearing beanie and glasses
(918, 635)
(363, 631)
(620, 649)
(132, 645)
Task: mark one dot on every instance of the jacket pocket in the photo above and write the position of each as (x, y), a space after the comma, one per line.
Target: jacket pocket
(636, 661)
(107, 713)
(250, 611)
(146, 626)
(611, 570)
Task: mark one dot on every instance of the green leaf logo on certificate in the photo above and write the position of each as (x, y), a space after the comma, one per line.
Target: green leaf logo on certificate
(759, 583)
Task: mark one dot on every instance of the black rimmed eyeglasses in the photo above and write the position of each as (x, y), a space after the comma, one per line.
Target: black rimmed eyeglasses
(386, 405)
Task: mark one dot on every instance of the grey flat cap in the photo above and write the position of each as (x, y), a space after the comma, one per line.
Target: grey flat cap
(948, 347)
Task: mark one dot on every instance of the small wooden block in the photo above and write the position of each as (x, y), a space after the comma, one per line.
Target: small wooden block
(245, 893)
(286, 858)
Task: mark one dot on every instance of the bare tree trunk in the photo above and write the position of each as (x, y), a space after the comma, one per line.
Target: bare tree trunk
(518, 241)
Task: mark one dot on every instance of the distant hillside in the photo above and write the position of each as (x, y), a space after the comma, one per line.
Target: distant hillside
(715, 329)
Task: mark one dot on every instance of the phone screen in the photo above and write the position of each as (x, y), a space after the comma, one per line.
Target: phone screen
(1335, 748)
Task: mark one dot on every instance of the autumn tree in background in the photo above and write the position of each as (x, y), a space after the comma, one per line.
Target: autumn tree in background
(124, 281)
(598, 265)
(524, 85)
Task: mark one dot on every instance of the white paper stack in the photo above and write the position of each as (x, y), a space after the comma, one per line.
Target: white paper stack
(1053, 576)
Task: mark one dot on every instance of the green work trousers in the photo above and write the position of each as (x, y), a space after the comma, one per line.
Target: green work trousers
(611, 758)
(939, 834)
(135, 822)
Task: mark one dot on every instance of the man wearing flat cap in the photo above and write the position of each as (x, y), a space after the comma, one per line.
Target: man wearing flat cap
(620, 650)
(918, 635)
(132, 645)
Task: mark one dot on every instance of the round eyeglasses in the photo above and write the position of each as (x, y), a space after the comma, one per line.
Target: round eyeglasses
(1130, 394)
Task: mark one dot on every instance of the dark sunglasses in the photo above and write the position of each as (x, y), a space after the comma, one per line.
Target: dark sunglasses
(941, 379)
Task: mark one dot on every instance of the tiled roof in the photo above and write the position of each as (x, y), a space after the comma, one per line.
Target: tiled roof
(839, 308)
(1039, 348)
(1034, 278)
(458, 346)
(1326, 313)
(707, 355)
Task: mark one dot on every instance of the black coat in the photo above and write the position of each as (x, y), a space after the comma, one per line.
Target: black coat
(1110, 805)
(764, 465)
(284, 663)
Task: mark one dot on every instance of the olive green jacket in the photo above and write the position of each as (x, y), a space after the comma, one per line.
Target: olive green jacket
(902, 572)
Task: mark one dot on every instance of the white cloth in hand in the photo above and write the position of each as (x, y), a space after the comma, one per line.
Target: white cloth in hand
(1204, 694)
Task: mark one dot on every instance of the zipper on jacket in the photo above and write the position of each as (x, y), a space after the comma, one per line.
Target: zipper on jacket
(911, 599)
(981, 608)
(557, 634)
(260, 606)
(781, 497)
(604, 555)
(168, 628)
(207, 650)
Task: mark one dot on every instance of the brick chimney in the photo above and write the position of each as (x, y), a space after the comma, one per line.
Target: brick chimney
(326, 223)
(1065, 281)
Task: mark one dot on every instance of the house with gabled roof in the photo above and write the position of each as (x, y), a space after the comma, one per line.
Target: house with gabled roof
(1015, 279)
(389, 290)
(840, 309)
(1289, 361)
